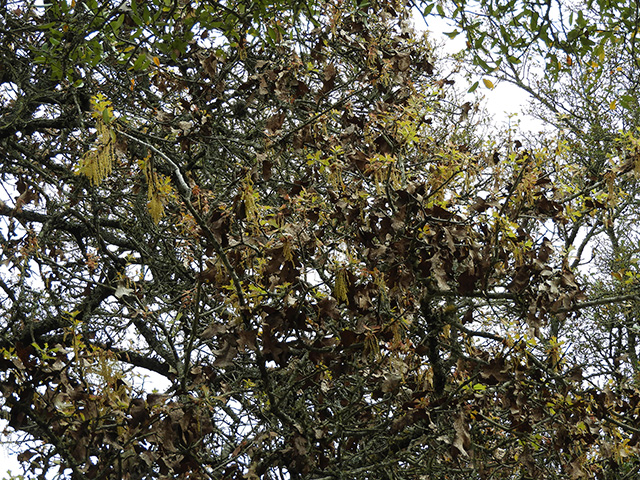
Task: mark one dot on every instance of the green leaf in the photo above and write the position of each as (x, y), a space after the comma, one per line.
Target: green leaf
(48, 26)
(473, 87)
(484, 65)
(138, 65)
(627, 101)
(135, 16)
(586, 42)
(56, 70)
(106, 116)
(534, 21)
(427, 9)
(92, 5)
(117, 23)
(146, 15)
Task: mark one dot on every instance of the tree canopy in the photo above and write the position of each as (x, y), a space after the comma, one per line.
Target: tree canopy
(269, 240)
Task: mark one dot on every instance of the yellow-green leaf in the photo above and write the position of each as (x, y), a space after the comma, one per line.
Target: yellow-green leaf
(487, 83)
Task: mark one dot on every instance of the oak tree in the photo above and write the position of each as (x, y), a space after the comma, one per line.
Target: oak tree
(284, 211)
(578, 64)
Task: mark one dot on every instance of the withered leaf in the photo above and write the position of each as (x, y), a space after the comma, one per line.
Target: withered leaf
(275, 122)
(462, 440)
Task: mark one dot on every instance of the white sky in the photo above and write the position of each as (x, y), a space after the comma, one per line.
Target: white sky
(503, 100)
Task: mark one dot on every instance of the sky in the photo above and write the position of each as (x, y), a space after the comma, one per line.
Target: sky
(501, 103)
(505, 103)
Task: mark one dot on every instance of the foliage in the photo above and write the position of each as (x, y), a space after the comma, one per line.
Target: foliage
(580, 67)
(513, 34)
(284, 211)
